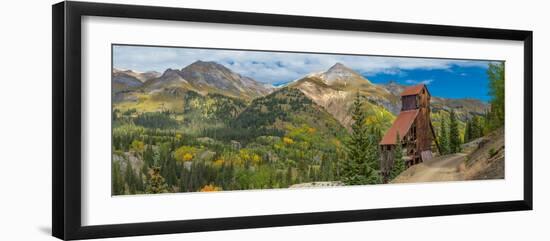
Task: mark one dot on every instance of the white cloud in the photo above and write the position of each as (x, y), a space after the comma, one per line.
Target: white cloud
(427, 82)
(414, 82)
(271, 67)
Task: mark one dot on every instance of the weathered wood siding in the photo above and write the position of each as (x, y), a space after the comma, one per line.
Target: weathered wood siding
(408, 102)
(424, 136)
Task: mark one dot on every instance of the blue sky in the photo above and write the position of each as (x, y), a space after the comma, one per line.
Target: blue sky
(445, 77)
(453, 82)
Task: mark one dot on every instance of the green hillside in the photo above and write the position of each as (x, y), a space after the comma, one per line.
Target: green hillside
(175, 133)
(276, 141)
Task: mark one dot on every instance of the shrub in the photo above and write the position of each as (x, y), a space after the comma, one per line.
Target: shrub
(492, 152)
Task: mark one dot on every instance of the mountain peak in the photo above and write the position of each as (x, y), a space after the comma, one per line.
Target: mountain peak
(339, 74)
(214, 77)
(206, 65)
(200, 62)
(339, 66)
(170, 72)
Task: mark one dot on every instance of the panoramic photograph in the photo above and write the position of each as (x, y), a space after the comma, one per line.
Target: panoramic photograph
(205, 120)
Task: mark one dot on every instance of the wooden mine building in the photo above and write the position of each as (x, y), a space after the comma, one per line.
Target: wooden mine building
(415, 129)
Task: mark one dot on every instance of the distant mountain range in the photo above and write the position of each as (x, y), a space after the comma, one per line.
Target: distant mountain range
(126, 80)
(334, 90)
(209, 77)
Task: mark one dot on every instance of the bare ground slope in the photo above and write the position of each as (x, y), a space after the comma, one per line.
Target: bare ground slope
(441, 168)
(482, 159)
(487, 160)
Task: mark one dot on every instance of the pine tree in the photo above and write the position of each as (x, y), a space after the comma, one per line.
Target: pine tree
(375, 136)
(312, 175)
(398, 162)
(117, 183)
(170, 171)
(454, 137)
(371, 165)
(443, 137)
(130, 178)
(326, 168)
(184, 179)
(139, 183)
(148, 160)
(495, 72)
(468, 131)
(356, 145)
(361, 153)
(289, 179)
(477, 127)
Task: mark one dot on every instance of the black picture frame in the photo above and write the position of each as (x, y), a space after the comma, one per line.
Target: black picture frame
(66, 128)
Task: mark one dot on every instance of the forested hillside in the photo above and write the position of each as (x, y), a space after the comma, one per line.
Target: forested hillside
(191, 130)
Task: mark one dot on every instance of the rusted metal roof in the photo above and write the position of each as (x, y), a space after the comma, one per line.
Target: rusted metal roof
(413, 90)
(401, 125)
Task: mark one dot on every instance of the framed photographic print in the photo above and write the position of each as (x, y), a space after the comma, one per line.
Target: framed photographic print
(170, 120)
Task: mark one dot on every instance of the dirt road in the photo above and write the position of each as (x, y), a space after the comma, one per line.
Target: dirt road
(443, 168)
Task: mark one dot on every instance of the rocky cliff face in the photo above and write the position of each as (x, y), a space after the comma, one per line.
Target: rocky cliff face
(336, 88)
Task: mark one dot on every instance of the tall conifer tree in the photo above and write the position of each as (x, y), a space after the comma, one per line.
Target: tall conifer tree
(444, 136)
(362, 154)
(454, 136)
(495, 72)
(117, 179)
(468, 131)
